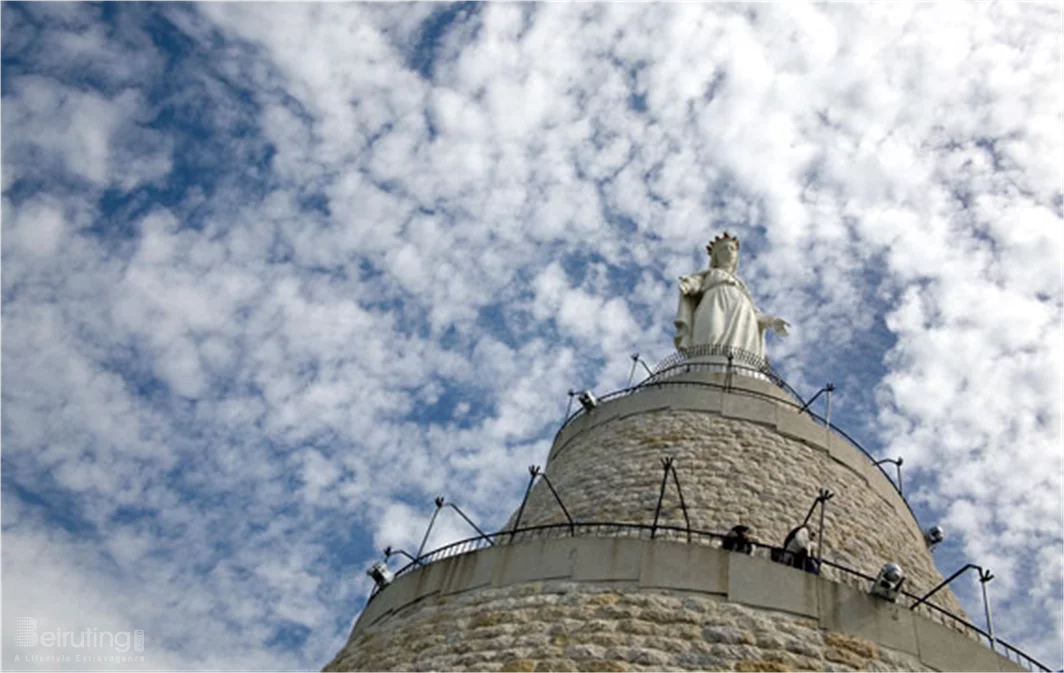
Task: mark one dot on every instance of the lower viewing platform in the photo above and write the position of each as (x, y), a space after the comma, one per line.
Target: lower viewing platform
(714, 598)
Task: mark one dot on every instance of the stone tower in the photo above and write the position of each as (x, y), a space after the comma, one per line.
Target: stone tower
(619, 557)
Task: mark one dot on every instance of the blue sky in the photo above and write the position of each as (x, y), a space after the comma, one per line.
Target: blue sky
(275, 277)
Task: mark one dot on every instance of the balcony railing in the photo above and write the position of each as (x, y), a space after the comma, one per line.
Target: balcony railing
(645, 531)
(741, 363)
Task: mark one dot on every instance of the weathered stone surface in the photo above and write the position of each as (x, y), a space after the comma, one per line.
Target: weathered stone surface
(555, 665)
(732, 471)
(760, 665)
(727, 634)
(602, 665)
(860, 647)
(516, 629)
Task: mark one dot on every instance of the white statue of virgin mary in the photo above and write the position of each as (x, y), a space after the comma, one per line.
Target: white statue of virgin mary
(716, 309)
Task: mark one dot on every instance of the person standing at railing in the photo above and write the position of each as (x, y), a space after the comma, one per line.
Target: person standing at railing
(716, 308)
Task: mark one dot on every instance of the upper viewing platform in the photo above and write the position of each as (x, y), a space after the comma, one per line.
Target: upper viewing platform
(747, 448)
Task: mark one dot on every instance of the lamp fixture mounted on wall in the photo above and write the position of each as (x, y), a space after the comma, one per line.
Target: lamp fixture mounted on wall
(888, 582)
(380, 574)
(933, 536)
(588, 400)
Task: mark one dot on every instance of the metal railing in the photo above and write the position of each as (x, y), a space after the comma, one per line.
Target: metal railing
(643, 531)
(739, 355)
(743, 363)
(734, 361)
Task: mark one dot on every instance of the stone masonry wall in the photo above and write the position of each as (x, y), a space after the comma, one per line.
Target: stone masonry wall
(566, 626)
(731, 472)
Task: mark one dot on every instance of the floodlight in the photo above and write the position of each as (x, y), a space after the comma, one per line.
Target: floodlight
(588, 400)
(888, 582)
(934, 535)
(380, 574)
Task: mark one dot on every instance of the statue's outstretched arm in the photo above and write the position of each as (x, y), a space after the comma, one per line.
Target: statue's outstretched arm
(778, 325)
(691, 284)
(690, 291)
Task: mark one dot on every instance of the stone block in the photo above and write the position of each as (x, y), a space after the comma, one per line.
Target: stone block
(844, 452)
(690, 398)
(945, 649)
(685, 567)
(570, 432)
(393, 597)
(470, 571)
(651, 399)
(534, 561)
(849, 610)
(430, 579)
(799, 426)
(607, 560)
(518, 666)
(754, 665)
(375, 609)
(762, 583)
(601, 665)
(748, 408)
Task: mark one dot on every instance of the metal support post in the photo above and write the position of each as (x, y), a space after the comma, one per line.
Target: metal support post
(572, 525)
(569, 407)
(683, 505)
(533, 470)
(388, 551)
(984, 578)
(827, 411)
(470, 522)
(645, 366)
(944, 583)
(897, 465)
(667, 462)
(439, 504)
(828, 388)
(812, 508)
(635, 359)
(823, 498)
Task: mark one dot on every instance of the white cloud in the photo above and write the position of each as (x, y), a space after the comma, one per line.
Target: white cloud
(83, 132)
(274, 386)
(39, 228)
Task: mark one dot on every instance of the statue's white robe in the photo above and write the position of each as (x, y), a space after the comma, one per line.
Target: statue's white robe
(718, 312)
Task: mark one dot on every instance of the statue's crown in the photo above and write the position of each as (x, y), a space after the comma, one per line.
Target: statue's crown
(718, 239)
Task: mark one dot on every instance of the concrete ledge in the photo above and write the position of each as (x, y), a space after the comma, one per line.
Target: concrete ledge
(687, 567)
(537, 560)
(857, 613)
(692, 568)
(761, 583)
(608, 560)
(944, 649)
(801, 428)
(470, 571)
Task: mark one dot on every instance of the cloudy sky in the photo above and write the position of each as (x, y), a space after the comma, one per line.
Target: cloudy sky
(274, 277)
